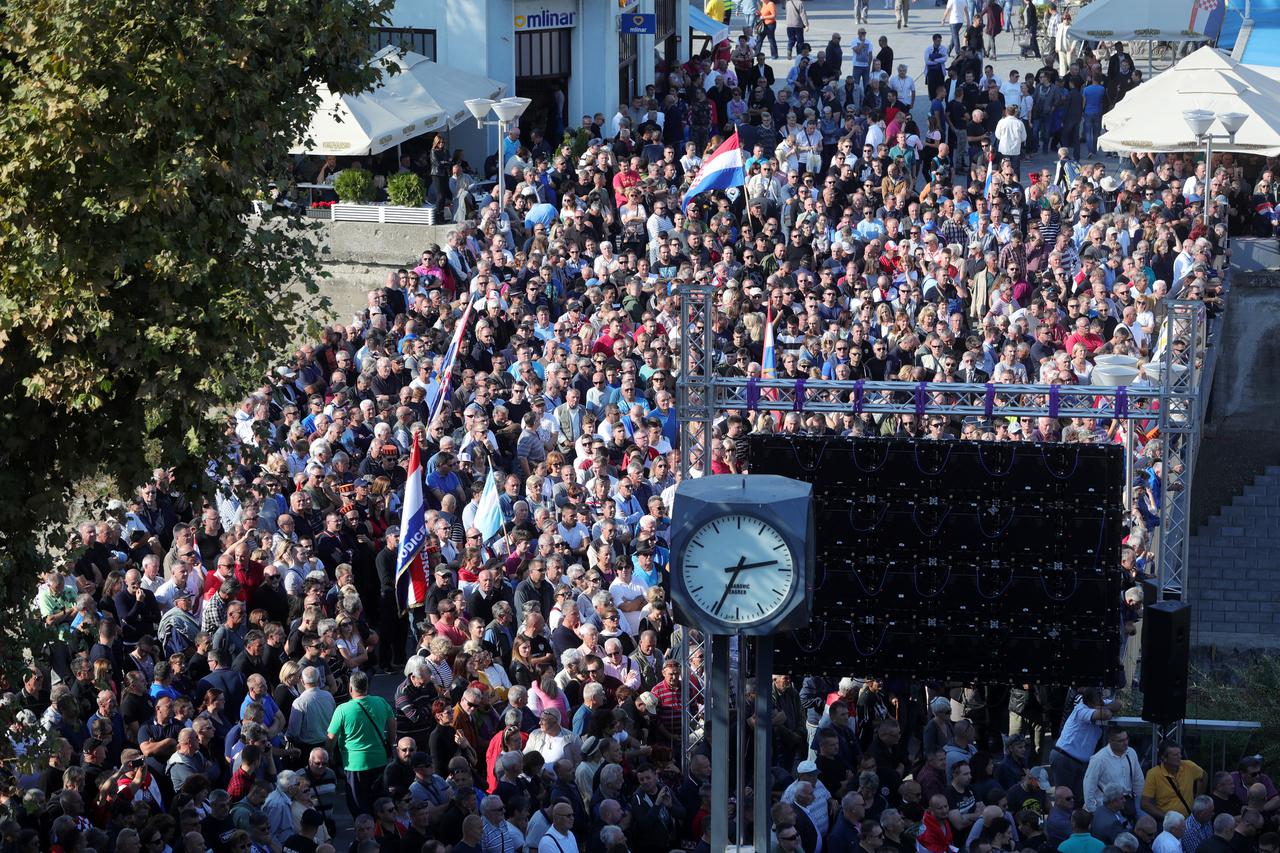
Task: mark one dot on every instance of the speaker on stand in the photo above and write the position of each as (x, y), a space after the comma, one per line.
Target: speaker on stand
(1166, 660)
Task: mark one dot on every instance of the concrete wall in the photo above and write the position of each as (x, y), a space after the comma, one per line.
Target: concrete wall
(358, 255)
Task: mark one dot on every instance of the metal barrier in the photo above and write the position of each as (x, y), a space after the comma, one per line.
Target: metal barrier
(1213, 744)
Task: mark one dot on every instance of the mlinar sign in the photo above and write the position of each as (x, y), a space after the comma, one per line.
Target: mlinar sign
(545, 19)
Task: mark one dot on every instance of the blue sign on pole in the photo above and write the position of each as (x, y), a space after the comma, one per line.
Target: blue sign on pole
(639, 25)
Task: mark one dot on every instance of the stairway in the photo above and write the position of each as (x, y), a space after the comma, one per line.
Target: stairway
(1234, 570)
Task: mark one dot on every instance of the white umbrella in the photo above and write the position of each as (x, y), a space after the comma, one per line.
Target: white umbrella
(448, 87)
(1150, 116)
(1149, 20)
(398, 108)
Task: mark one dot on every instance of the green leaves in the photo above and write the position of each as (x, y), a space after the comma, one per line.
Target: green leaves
(135, 300)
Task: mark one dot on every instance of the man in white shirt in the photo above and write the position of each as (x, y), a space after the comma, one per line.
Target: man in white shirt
(1011, 135)
(1194, 184)
(559, 836)
(860, 48)
(875, 135)
(1170, 841)
(1114, 764)
(905, 87)
(1012, 89)
(1185, 259)
(629, 597)
(151, 577)
(620, 119)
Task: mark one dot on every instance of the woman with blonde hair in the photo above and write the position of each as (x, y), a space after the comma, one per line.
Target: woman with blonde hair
(350, 644)
(883, 324)
(901, 328)
(102, 679)
(926, 320)
(439, 650)
(289, 688)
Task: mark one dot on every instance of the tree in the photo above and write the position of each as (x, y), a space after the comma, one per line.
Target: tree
(136, 300)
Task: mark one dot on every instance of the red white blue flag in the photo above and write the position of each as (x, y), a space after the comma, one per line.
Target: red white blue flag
(445, 375)
(723, 169)
(768, 361)
(411, 573)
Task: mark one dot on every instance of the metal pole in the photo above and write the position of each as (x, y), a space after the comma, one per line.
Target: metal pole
(740, 733)
(1151, 49)
(1208, 176)
(717, 699)
(764, 728)
(501, 186)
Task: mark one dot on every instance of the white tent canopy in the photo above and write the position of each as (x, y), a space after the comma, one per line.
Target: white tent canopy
(451, 88)
(415, 96)
(398, 108)
(1149, 20)
(1150, 116)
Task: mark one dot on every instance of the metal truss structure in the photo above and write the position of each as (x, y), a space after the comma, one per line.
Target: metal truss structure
(1172, 400)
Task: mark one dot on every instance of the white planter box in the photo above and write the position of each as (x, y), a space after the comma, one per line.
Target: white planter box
(384, 213)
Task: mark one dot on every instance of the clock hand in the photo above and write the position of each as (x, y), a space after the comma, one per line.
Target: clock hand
(741, 565)
(742, 561)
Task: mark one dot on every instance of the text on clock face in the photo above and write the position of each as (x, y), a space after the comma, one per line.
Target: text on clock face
(738, 568)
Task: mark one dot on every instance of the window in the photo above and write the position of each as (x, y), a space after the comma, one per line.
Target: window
(666, 19)
(416, 41)
(544, 53)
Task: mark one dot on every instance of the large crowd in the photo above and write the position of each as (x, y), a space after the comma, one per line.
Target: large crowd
(212, 682)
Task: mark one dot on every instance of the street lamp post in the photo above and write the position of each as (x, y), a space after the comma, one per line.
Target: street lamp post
(507, 110)
(1199, 122)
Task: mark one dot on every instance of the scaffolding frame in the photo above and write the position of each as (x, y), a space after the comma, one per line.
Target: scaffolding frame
(1174, 402)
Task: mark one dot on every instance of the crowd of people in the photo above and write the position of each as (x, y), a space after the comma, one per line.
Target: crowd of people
(214, 682)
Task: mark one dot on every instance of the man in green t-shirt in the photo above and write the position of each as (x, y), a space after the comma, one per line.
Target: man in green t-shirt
(360, 730)
(57, 603)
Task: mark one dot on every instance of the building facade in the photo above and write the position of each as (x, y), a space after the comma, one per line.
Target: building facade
(569, 57)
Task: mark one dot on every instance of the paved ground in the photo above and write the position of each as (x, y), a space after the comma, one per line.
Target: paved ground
(829, 16)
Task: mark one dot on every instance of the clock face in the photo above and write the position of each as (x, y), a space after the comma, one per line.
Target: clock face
(738, 569)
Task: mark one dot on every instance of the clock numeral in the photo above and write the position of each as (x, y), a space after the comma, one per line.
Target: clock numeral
(777, 592)
(760, 606)
(780, 546)
(696, 589)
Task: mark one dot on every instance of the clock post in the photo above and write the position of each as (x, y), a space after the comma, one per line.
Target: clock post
(741, 567)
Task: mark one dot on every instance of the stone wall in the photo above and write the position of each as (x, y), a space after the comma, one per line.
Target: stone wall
(358, 255)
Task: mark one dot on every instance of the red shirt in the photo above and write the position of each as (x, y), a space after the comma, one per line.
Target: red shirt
(668, 704)
(937, 836)
(621, 182)
(1091, 341)
(240, 784)
(454, 634)
(249, 573)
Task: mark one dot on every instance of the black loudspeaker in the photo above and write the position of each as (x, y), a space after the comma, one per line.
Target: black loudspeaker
(1166, 657)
